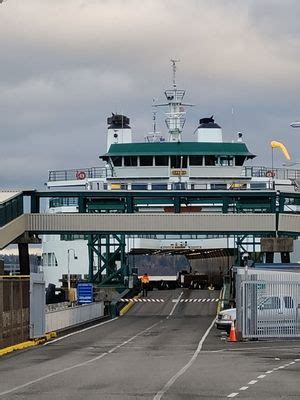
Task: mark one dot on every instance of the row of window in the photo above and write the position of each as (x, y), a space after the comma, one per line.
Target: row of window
(49, 260)
(182, 186)
(176, 161)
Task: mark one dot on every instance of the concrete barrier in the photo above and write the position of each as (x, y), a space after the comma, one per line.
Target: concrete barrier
(72, 316)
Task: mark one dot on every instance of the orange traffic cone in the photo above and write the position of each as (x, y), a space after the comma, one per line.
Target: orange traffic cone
(232, 335)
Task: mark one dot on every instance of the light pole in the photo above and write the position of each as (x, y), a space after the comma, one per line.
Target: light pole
(69, 277)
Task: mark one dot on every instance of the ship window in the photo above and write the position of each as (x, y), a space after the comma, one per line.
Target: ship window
(239, 160)
(218, 186)
(258, 185)
(117, 161)
(159, 186)
(146, 161)
(226, 161)
(140, 186)
(130, 161)
(211, 160)
(161, 161)
(49, 260)
(196, 160)
(178, 161)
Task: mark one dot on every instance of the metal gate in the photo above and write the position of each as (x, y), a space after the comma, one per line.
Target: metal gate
(268, 305)
(37, 305)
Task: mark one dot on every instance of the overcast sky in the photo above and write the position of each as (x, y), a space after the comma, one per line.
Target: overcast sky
(67, 64)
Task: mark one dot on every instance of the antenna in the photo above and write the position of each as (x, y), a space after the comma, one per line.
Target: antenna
(154, 122)
(174, 71)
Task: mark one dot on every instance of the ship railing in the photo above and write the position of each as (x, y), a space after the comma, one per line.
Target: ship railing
(268, 172)
(78, 174)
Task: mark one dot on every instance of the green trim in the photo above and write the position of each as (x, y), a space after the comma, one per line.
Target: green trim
(179, 148)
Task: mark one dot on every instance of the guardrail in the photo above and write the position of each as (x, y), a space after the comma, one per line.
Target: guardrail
(269, 172)
(78, 174)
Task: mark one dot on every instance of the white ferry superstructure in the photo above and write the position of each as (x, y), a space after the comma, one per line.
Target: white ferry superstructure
(158, 163)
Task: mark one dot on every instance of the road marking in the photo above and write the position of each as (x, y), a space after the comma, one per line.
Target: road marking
(83, 364)
(254, 381)
(174, 378)
(175, 305)
(82, 330)
(196, 300)
(143, 300)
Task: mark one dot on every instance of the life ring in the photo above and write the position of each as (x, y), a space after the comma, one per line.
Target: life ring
(80, 175)
(270, 174)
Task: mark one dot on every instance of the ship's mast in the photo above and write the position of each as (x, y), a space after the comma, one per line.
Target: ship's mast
(175, 117)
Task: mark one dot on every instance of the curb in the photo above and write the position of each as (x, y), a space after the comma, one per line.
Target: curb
(128, 306)
(27, 344)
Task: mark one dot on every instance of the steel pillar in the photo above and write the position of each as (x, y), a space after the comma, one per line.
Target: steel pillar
(105, 251)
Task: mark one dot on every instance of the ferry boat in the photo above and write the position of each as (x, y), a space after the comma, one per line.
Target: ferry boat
(159, 163)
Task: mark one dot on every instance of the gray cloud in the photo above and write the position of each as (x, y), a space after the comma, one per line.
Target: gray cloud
(67, 64)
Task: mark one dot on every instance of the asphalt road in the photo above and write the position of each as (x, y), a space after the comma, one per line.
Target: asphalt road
(158, 350)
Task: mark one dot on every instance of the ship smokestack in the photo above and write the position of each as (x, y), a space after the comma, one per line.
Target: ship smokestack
(209, 131)
(119, 130)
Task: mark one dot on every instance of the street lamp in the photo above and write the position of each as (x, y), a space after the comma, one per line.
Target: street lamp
(69, 277)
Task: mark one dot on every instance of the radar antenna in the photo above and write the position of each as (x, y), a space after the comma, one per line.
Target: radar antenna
(175, 117)
(174, 71)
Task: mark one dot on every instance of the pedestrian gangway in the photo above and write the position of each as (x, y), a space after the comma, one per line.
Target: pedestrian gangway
(222, 212)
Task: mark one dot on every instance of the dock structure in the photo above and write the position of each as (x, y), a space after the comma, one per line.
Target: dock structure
(110, 215)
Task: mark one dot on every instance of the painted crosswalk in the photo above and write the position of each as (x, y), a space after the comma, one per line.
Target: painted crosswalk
(150, 300)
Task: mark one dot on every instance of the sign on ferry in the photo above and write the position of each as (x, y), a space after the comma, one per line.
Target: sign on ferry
(179, 172)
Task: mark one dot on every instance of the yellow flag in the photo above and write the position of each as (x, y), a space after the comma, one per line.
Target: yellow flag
(281, 146)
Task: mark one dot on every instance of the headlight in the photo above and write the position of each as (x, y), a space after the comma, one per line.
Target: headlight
(226, 317)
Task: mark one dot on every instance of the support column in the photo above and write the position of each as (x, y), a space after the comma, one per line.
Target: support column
(24, 259)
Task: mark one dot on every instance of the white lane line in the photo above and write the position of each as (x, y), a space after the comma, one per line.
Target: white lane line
(82, 330)
(254, 381)
(174, 378)
(175, 305)
(42, 378)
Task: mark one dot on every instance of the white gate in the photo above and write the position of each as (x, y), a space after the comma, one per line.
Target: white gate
(37, 305)
(268, 304)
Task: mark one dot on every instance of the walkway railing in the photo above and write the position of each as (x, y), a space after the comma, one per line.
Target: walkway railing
(277, 173)
(78, 174)
(102, 172)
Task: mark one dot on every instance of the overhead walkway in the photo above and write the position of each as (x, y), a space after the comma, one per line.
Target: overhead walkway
(231, 216)
(147, 223)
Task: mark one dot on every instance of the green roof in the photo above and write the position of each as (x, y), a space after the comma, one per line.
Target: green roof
(179, 148)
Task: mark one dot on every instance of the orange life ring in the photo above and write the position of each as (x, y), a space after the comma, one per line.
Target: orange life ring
(270, 174)
(80, 175)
